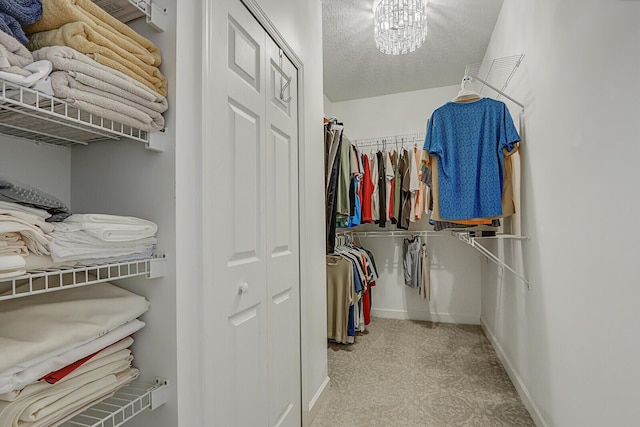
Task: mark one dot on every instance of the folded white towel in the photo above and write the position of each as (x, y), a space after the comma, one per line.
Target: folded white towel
(31, 74)
(33, 237)
(34, 326)
(46, 227)
(29, 371)
(40, 213)
(114, 228)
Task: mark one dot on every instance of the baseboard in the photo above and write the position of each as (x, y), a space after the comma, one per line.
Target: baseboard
(519, 384)
(425, 316)
(316, 402)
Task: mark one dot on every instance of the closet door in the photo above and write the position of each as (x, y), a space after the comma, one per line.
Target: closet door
(250, 223)
(283, 259)
(235, 188)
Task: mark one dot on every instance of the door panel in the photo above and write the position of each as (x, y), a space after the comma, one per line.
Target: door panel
(235, 190)
(283, 257)
(250, 224)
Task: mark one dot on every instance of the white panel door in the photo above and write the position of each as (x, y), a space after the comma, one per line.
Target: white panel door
(250, 223)
(283, 259)
(234, 165)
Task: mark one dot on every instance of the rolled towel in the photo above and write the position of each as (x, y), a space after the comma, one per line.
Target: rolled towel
(24, 11)
(114, 228)
(11, 27)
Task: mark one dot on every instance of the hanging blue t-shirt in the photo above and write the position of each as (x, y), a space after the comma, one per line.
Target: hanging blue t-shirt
(468, 139)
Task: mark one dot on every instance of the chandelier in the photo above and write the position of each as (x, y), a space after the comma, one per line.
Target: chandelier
(400, 25)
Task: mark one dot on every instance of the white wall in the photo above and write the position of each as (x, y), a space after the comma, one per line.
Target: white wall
(571, 340)
(455, 268)
(42, 166)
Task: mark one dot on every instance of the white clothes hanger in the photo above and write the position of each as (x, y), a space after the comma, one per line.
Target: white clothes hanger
(466, 95)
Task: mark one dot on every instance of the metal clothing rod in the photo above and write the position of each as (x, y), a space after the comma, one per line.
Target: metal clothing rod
(497, 90)
(404, 233)
(393, 139)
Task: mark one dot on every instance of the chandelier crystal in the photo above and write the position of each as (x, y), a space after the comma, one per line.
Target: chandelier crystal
(400, 25)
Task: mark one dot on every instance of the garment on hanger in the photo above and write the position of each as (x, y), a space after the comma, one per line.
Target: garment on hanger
(465, 137)
(367, 190)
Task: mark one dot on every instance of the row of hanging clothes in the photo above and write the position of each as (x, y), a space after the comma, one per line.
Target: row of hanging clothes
(376, 187)
(351, 274)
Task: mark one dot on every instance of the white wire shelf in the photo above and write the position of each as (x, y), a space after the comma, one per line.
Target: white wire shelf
(28, 114)
(125, 404)
(495, 74)
(76, 276)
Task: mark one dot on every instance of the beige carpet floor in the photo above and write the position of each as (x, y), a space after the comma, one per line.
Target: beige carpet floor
(408, 373)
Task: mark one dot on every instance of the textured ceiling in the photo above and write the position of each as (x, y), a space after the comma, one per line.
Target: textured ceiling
(458, 34)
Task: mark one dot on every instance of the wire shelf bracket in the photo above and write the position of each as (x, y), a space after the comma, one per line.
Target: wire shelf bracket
(496, 74)
(72, 277)
(156, 16)
(473, 242)
(124, 405)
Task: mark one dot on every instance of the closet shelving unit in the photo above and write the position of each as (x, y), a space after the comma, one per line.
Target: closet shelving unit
(28, 114)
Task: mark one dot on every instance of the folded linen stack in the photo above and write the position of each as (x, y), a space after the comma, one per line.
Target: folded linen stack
(99, 238)
(101, 90)
(22, 232)
(15, 13)
(85, 27)
(65, 351)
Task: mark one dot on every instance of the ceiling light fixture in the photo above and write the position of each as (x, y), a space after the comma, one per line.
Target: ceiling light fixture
(400, 25)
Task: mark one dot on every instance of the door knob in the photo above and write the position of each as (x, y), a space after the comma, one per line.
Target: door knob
(243, 288)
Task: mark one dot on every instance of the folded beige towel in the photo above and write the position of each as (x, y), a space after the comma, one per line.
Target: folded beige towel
(13, 55)
(93, 74)
(122, 111)
(56, 13)
(112, 50)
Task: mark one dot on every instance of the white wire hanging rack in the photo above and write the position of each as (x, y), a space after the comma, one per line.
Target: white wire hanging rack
(72, 277)
(495, 74)
(390, 141)
(125, 404)
(467, 237)
(28, 114)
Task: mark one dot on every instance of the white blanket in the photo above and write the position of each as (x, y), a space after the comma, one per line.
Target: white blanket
(51, 408)
(114, 228)
(36, 241)
(40, 324)
(40, 213)
(115, 358)
(32, 370)
(35, 71)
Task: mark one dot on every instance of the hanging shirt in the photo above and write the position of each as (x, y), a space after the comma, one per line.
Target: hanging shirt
(382, 190)
(367, 189)
(468, 139)
(389, 173)
(375, 194)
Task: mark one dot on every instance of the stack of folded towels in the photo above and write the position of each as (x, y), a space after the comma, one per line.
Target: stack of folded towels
(38, 231)
(101, 238)
(64, 351)
(83, 55)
